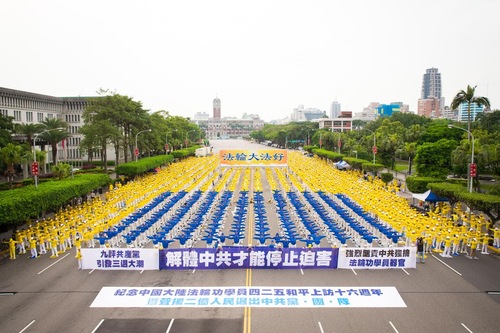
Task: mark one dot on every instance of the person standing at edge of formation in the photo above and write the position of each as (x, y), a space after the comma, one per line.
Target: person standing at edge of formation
(420, 250)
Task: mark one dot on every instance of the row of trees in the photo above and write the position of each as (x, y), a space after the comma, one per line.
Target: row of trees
(429, 145)
(110, 120)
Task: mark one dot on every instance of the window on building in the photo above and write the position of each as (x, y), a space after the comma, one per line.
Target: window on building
(17, 115)
(29, 116)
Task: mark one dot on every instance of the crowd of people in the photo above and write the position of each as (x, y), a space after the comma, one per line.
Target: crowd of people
(83, 224)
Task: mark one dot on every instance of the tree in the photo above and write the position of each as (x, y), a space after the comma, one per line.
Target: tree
(469, 98)
(30, 130)
(54, 134)
(11, 155)
(433, 159)
(6, 129)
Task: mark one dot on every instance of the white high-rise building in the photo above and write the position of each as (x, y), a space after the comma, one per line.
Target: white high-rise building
(335, 109)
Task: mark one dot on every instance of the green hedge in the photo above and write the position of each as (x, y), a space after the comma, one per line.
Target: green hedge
(373, 168)
(132, 169)
(419, 184)
(332, 156)
(18, 205)
(355, 163)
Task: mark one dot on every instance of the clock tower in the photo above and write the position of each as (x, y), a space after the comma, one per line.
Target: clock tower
(216, 108)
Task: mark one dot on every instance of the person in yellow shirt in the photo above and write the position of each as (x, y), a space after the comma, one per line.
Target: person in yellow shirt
(486, 239)
(12, 248)
(473, 246)
(496, 237)
(53, 246)
(79, 258)
(34, 253)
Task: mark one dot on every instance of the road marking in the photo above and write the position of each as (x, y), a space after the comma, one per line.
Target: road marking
(493, 292)
(405, 271)
(24, 329)
(248, 311)
(301, 271)
(43, 270)
(194, 270)
(97, 327)
(354, 271)
(446, 265)
(320, 327)
(170, 325)
(141, 272)
(7, 293)
(91, 271)
(394, 328)
(466, 328)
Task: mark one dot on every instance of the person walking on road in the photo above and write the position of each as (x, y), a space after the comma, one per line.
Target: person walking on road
(420, 250)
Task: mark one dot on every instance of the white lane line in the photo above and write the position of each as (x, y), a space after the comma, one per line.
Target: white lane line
(91, 271)
(141, 272)
(466, 328)
(97, 327)
(404, 270)
(320, 327)
(24, 329)
(301, 271)
(43, 270)
(394, 328)
(354, 271)
(194, 270)
(446, 265)
(170, 325)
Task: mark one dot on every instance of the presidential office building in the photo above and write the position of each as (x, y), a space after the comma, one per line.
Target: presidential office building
(216, 127)
(31, 108)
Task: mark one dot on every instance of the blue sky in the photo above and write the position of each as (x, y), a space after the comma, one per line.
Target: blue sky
(263, 57)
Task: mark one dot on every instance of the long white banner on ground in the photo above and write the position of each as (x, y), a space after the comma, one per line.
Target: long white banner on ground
(120, 259)
(263, 297)
(377, 258)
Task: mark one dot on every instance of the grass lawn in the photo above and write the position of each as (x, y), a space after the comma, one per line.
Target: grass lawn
(401, 166)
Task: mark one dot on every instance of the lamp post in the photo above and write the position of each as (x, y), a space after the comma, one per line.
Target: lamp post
(187, 133)
(166, 139)
(374, 148)
(471, 154)
(355, 152)
(34, 150)
(136, 147)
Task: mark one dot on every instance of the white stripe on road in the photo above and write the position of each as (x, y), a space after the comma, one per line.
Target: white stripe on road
(447, 265)
(404, 270)
(170, 325)
(24, 329)
(43, 270)
(301, 271)
(354, 271)
(91, 271)
(97, 327)
(320, 327)
(466, 328)
(394, 328)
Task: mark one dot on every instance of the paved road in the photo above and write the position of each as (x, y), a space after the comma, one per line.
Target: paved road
(444, 295)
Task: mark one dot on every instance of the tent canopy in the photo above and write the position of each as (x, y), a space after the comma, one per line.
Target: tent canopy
(428, 196)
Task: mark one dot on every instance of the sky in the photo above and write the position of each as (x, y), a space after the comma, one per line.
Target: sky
(259, 57)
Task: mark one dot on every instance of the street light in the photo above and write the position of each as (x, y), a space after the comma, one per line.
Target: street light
(34, 150)
(374, 148)
(471, 154)
(166, 139)
(187, 133)
(355, 152)
(136, 147)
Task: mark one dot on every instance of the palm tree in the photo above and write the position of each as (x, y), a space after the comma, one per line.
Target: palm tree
(11, 155)
(30, 130)
(56, 135)
(469, 98)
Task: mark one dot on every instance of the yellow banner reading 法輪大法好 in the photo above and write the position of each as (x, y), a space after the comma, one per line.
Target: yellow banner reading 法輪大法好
(272, 157)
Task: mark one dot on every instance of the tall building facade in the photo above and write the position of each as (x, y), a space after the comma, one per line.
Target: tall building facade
(335, 109)
(462, 115)
(216, 108)
(431, 103)
(431, 84)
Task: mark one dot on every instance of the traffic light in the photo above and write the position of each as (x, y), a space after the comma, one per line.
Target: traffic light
(473, 169)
